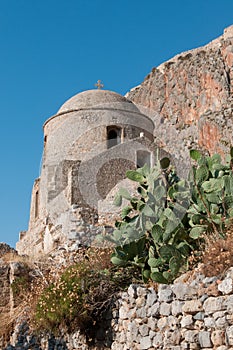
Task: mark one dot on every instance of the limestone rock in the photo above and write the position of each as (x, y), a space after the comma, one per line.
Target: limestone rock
(195, 111)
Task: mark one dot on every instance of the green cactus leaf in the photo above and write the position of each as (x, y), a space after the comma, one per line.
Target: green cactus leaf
(217, 218)
(166, 252)
(117, 200)
(151, 251)
(148, 211)
(149, 224)
(159, 278)
(228, 183)
(174, 265)
(135, 176)
(167, 236)
(168, 275)
(153, 262)
(202, 174)
(213, 185)
(142, 192)
(124, 193)
(228, 201)
(145, 170)
(157, 234)
(194, 154)
(159, 192)
(170, 215)
(213, 198)
(117, 261)
(184, 248)
(214, 208)
(197, 219)
(117, 234)
(197, 231)
(146, 275)
(125, 211)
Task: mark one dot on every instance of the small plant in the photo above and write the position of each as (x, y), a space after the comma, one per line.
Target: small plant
(64, 299)
(81, 294)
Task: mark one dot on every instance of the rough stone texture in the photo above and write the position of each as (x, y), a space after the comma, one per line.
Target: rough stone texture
(82, 163)
(189, 98)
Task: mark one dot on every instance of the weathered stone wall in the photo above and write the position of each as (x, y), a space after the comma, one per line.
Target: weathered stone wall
(196, 312)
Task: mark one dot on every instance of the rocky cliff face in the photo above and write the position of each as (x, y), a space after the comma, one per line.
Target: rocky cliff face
(190, 98)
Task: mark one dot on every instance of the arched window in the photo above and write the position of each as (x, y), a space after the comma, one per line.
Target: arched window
(143, 157)
(113, 136)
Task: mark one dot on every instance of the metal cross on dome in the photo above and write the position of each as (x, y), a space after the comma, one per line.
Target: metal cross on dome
(99, 84)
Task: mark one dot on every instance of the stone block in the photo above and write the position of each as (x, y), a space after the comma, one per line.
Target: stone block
(229, 335)
(213, 304)
(187, 322)
(182, 291)
(165, 309)
(165, 293)
(218, 337)
(151, 323)
(209, 322)
(191, 336)
(158, 340)
(192, 306)
(221, 323)
(145, 343)
(144, 330)
(132, 291)
(154, 310)
(205, 340)
(226, 286)
(151, 297)
(176, 307)
(162, 323)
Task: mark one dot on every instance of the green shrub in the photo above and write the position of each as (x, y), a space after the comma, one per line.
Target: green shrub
(168, 220)
(79, 297)
(211, 208)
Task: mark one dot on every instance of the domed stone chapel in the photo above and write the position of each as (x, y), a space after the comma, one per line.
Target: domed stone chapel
(95, 137)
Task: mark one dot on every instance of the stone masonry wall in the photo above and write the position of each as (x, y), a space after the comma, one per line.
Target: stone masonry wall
(196, 312)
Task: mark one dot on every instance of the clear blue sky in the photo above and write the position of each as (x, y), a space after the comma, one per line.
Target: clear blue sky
(53, 49)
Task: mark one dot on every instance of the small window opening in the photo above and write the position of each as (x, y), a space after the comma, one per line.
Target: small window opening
(143, 157)
(36, 204)
(113, 136)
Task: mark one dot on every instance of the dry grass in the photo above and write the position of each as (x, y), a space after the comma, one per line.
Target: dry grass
(217, 256)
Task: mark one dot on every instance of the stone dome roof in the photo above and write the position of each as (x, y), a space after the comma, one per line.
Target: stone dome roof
(92, 99)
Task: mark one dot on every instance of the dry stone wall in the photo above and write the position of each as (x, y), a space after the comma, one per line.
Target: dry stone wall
(196, 312)
(186, 315)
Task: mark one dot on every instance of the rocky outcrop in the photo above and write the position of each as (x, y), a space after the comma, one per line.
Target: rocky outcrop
(190, 98)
